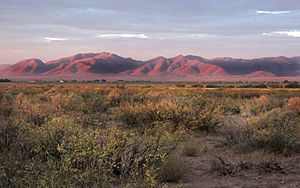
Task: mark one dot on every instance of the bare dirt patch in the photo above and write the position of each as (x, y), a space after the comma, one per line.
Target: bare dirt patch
(245, 169)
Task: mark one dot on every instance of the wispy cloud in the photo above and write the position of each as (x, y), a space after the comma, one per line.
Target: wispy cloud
(158, 36)
(272, 12)
(51, 39)
(193, 36)
(201, 35)
(293, 33)
(114, 36)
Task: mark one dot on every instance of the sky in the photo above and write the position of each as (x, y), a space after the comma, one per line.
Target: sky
(143, 29)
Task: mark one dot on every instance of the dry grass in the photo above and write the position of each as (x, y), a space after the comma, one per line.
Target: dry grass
(173, 169)
(293, 104)
(190, 148)
(269, 164)
(71, 135)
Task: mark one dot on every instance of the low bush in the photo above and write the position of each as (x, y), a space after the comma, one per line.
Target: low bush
(293, 104)
(61, 153)
(6, 105)
(190, 149)
(87, 135)
(238, 131)
(197, 114)
(231, 107)
(120, 95)
(263, 104)
(173, 169)
(277, 130)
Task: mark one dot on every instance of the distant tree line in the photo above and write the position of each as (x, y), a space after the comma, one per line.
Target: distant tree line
(285, 84)
(293, 85)
(5, 80)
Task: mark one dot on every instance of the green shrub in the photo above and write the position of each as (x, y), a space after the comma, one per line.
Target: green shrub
(63, 153)
(124, 95)
(81, 135)
(206, 116)
(6, 106)
(263, 104)
(232, 109)
(111, 156)
(197, 114)
(137, 115)
(8, 134)
(277, 130)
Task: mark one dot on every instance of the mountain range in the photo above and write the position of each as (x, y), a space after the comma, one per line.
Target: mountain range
(91, 64)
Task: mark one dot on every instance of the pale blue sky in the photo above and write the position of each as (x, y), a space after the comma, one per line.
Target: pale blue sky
(142, 29)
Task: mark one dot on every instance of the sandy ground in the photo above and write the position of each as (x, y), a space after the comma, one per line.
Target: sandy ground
(201, 174)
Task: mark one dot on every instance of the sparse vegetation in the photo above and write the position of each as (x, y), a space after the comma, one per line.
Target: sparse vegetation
(81, 135)
(226, 167)
(190, 149)
(277, 130)
(294, 104)
(173, 169)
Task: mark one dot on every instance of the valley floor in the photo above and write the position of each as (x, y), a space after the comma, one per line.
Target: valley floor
(148, 135)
